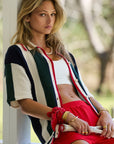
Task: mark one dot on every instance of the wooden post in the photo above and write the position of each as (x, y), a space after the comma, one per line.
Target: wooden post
(16, 126)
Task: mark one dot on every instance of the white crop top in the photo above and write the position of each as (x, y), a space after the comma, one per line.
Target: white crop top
(62, 72)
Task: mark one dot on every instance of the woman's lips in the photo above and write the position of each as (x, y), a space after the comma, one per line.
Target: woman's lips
(48, 27)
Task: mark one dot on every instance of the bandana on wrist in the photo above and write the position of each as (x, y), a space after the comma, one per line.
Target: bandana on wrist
(56, 114)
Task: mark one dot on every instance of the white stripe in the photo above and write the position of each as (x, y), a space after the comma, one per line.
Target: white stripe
(34, 72)
(49, 141)
(22, 86)
(45, 133)
(38, 87)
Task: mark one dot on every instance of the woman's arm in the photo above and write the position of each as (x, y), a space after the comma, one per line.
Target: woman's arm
(34, 109)
(97, 105)
(105, 119)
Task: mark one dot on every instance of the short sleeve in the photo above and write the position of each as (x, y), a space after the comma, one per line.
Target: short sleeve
(18, 84)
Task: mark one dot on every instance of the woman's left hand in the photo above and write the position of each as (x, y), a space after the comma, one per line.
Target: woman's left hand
(107, 124)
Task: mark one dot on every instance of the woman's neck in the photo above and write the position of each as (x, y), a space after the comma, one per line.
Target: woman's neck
(39, 41)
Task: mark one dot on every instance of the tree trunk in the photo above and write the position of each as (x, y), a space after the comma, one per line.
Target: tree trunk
(103, 55)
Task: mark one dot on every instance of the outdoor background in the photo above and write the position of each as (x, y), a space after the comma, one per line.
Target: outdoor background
(89, 35)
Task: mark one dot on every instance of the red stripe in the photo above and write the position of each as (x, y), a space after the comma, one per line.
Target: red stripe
(23, 47)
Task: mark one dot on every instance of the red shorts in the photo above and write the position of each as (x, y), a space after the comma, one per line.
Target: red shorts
(85, 112)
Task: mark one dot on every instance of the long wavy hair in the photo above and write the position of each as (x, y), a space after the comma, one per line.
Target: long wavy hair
(24, 34)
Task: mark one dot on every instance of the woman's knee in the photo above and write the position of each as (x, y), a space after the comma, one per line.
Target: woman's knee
(80, 142)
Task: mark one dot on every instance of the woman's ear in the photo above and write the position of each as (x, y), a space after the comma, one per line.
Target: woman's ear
(27, 19)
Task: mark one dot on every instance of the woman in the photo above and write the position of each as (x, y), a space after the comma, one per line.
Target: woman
(42, 78)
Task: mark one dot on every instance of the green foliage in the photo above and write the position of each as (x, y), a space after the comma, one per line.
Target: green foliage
(108, 11)
(73, 31)
(106, 99)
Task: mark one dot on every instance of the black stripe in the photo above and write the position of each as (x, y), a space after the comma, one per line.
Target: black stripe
(9, 84)
(74, 62)
(37, 128)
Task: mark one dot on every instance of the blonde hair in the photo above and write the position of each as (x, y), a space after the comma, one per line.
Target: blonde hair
(24, 34)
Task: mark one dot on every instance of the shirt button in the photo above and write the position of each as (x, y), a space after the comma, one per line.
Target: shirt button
(76, 80)
(57, 98)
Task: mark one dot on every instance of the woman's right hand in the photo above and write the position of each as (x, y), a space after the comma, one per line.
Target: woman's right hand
(80, 125)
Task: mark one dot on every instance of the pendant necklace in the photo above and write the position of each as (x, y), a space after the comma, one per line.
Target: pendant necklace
(51, 51)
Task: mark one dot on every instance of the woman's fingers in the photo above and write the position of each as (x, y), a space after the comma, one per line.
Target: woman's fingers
(108, 134)
(112, 133)
(104, 129)
(108, 130)
(81, 126)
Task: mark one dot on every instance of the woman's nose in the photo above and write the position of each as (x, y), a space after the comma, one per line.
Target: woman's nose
(49, 19)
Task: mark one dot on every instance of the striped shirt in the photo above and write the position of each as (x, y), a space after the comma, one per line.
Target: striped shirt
(30, 74)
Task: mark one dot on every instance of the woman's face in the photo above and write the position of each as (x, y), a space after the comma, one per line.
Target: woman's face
(42, 19)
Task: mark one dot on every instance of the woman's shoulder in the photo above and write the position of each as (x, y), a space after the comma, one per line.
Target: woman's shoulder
(13, 49)
(13, 54)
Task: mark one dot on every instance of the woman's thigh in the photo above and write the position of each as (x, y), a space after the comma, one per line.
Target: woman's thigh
(80, 142)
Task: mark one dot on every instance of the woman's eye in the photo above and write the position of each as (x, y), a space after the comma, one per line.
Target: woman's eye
(53, 14)
(43, 14)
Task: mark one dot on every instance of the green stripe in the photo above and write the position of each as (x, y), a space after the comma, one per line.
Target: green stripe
(9, 83)
(45, 77)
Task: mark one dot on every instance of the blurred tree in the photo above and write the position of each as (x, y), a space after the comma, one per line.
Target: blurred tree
(97, 17)
(102, 51)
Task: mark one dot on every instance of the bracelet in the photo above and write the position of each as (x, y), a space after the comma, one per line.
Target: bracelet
(65, 115)
(102, 109)
(72, 120)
